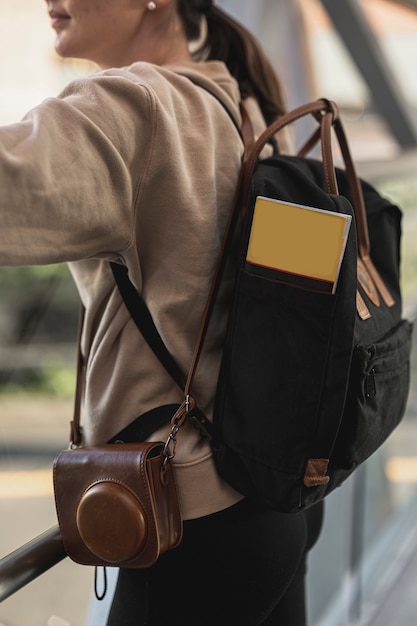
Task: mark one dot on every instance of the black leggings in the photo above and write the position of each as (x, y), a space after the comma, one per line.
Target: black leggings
(240, 566)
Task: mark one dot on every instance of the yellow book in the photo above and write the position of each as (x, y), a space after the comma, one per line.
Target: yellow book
(297, 244)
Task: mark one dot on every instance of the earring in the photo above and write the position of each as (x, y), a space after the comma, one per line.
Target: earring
(151, 6)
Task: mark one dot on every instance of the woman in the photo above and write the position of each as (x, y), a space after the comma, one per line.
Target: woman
(138, 164)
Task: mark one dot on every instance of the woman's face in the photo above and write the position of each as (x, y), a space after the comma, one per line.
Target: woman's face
(102, 31)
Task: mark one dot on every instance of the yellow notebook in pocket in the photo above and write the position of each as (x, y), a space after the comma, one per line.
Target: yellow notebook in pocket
(297, 244)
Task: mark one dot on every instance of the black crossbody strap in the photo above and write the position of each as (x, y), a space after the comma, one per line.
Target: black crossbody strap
(150, 421)
(143, 320)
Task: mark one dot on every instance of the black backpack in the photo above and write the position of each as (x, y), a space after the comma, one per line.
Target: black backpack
(311, 382)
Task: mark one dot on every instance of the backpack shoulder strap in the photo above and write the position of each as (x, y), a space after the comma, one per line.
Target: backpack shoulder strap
(143, 320)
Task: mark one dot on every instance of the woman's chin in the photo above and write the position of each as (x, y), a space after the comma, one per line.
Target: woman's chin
(65, 49)
(60, 48)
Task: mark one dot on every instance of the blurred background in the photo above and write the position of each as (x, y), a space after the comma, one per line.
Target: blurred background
(363, 55)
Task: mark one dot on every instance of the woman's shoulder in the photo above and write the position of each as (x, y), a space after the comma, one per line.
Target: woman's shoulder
(147, 85)
(188, 79)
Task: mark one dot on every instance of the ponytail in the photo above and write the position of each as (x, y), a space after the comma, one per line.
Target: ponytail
(230, 42)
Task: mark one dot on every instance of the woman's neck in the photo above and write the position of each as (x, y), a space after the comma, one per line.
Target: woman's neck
(161, 42)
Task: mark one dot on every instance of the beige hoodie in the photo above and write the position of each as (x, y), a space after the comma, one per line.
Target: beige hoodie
(135, 165)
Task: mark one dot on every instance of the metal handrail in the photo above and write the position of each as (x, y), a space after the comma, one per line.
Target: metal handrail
(30, 561)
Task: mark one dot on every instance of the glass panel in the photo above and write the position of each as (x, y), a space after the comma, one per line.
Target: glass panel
(369, 525)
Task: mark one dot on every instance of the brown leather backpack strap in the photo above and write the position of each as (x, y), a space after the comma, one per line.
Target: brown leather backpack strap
(248, 138)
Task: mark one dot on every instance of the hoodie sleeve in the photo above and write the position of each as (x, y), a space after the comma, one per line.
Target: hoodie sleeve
(70, 170)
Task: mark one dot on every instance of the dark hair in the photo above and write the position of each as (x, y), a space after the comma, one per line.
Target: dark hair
(229, 41)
